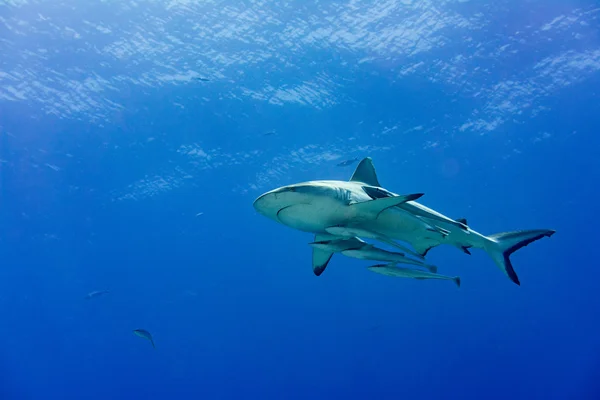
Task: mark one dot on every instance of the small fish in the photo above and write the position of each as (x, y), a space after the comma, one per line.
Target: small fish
(347, 162)
(202, 79)
(357, 248)
(144, 334)
(393, 270)
(269, 133)
(96, 293)
(199, 214)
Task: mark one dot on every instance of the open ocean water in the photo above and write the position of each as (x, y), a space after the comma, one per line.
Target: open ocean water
(136, 135)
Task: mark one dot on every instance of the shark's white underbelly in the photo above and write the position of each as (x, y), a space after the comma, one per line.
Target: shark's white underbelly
(314, 218)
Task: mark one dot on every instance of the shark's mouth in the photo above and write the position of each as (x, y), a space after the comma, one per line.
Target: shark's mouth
(302, 217)
(280, 210)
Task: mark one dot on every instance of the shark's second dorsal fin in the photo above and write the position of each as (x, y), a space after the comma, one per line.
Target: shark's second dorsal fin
(365, 173)
(320, 258)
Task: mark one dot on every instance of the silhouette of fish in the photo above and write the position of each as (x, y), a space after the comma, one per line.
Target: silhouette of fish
(202, 79)
(347, 162)
(144, 334)
(96, 293)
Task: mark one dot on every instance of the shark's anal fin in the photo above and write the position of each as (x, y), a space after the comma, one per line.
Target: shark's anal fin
(365, 173)
(377, 206)
(465, 249)
(320, 258)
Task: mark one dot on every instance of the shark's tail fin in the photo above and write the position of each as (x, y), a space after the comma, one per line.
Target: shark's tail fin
(502, 245)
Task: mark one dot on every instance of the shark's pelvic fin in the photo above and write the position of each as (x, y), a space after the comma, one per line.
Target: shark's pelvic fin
(365, 173)
(423, 248)
(377, 206)
(320, 258)
(502, 245)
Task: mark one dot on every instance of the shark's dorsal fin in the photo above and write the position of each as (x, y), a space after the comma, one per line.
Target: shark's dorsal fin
(462, 221)
(365, 173)
(320, 258)
(377, 206)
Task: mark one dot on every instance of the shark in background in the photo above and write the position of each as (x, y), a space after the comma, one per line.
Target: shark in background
(361, 207)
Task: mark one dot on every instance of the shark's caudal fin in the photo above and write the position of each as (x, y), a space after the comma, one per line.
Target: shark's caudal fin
(365, 173)
(502, 245)
(320, 258)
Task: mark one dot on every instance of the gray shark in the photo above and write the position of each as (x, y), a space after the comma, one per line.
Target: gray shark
(393, 270)
(357, 248)
(361, 205)
(322, 207)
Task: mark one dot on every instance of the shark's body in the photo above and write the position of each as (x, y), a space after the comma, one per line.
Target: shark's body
(321, 206)
(361, 207)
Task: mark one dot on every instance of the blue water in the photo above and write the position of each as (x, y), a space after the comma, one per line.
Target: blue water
(110, 149)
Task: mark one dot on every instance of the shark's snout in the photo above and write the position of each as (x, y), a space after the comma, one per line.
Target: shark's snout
(261, 202)
(271, 202)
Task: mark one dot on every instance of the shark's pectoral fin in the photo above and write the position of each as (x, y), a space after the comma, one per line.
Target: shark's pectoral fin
(365, 173)
(377, 206)
(320, 258)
